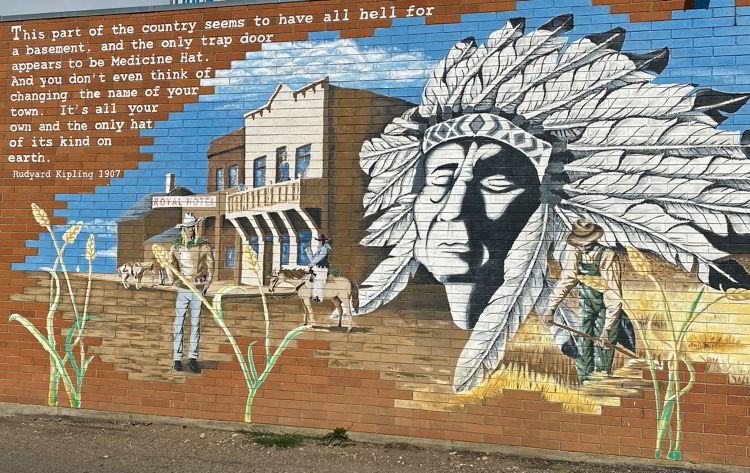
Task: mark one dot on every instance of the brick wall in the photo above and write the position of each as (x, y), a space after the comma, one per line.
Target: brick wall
(458, 181)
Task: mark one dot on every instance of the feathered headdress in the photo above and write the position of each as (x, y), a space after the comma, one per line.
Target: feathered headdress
(642, 160)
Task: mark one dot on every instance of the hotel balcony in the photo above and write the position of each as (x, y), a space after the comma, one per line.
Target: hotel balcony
(294, 194)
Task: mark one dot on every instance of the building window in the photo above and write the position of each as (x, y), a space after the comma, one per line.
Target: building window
(259, 172)
(284, 240)
(302, 161)
(305, 243)
(231, 258)
(282, 165)
(219, 179)
(234, 176)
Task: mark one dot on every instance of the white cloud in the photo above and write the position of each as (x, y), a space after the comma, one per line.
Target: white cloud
(110, 253)
(103, 228)
(345, 62)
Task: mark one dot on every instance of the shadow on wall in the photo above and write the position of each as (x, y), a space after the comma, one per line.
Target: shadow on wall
(697, 4)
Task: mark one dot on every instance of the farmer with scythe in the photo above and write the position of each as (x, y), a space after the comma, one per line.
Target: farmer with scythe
(602, 320)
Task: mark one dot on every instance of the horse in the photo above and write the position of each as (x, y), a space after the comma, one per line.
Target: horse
(341, 291)
(137, 270)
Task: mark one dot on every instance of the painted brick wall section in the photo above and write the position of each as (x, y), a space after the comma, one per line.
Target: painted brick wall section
(665, 169)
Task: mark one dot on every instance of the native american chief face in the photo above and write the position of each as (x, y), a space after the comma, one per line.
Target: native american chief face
(478, 194)
(466, 205)
(517, 138)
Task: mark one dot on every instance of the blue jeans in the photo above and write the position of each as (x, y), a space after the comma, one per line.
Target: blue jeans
(185, 298)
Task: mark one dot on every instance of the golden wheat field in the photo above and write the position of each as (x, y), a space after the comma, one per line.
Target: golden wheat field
(719, 337)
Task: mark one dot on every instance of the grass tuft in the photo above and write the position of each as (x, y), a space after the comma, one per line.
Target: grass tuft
(713, 342)
(336, 437)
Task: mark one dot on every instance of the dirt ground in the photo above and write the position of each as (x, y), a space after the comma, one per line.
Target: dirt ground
(39, 444)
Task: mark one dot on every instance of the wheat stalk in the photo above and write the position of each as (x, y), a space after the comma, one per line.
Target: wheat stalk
(58, 363)
(737, 295)
(91, 248)
(70, 236)
(252, 379)
(40, 215)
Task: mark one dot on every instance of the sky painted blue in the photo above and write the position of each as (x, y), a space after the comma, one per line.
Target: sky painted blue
(707, 46)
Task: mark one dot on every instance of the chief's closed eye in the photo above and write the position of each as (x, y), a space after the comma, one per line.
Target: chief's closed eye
(443, 175)
(442, 179)
(497, 184)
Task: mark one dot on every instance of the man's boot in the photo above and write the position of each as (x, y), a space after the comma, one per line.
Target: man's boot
(193, 365)
(177, 365)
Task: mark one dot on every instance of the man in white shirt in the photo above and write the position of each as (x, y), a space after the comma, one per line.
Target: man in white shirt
(319, 264)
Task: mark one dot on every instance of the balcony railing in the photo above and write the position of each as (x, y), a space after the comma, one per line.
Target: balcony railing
(289, 192)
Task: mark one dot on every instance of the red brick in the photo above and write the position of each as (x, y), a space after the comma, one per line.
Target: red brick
(724, 449)
(725, 429)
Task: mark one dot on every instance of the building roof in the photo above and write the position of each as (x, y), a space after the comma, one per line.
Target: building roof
(167, 235)
(142, 207)
(282, 87)
(229, 142)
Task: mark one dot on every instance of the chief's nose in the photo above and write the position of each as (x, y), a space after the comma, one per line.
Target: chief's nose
(455, 201)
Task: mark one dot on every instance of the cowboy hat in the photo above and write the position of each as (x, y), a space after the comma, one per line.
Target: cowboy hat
(584, 232)
(322, 237)
(189, 220)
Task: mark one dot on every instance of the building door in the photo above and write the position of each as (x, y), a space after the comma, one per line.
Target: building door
(267, 259)
(284, 246)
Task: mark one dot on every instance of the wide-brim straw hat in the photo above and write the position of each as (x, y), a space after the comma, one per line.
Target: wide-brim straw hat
(584, 232)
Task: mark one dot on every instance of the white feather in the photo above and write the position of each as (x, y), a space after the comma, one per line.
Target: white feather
(510, 304)
(389, 278)
(611, 71)
(468, 81)
(730, 172)
(583, 51)
(645, 225)
(511, 59)
(392, 226)
(391, 161)
(650, 135)
(635, 100)
(720, 210)
(436, 91)
(380, 155)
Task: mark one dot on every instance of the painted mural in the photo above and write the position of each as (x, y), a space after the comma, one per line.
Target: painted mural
(58, 360)
(530, 150)
(534, 209)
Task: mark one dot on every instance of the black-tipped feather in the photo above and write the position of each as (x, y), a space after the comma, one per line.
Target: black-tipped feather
(718, 105)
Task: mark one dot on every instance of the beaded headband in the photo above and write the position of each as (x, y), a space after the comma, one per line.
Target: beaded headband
(486, 125)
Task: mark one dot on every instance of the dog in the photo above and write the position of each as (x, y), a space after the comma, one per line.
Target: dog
(136, 270)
